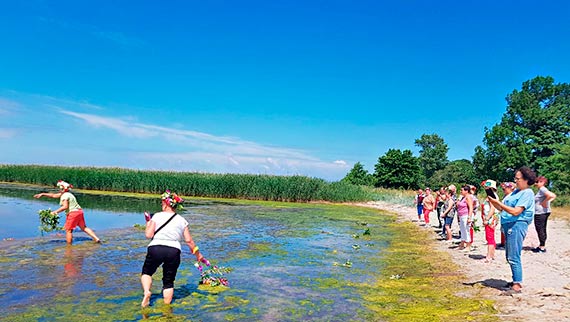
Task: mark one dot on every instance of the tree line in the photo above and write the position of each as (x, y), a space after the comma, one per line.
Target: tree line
(534, 131)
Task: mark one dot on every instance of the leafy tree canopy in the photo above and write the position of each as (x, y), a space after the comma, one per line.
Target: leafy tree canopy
(458, 172)
(398, 169)
(358, 175)
(433, 153)
(557, 169)
(535, 127)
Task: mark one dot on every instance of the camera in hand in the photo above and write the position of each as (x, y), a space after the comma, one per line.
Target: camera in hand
(491, 193)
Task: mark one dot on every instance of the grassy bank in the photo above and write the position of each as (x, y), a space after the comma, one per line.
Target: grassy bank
(240, 186)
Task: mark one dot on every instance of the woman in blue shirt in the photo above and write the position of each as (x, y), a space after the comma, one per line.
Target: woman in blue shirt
(517, 212)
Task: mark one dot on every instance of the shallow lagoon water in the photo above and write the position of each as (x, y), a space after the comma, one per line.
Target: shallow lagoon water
(287, 260)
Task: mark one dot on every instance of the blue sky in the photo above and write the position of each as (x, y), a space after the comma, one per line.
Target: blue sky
(276, 87)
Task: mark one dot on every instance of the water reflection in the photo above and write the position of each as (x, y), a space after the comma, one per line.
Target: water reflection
(72, 262)
(282, 260)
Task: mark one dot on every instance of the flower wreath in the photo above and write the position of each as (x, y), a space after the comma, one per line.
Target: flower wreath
(172, 199)
(64, 185)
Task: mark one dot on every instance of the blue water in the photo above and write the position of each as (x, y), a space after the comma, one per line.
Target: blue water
(20, 217)
(283, 258)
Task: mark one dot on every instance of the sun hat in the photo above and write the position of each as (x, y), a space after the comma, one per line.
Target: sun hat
(489, 184)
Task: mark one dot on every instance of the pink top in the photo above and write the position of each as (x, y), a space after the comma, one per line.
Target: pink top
(462, 208)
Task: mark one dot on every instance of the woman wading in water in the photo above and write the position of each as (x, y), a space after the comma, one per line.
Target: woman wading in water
(166, 229)
(75, 216)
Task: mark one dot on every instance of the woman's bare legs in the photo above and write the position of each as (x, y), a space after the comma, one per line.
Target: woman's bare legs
(448, 231)
(490, 252)
(167, 293)
(90, 232)
(146, 282)
(69, 236)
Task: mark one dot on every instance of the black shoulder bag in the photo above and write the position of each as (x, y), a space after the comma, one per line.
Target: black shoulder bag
(159, 228)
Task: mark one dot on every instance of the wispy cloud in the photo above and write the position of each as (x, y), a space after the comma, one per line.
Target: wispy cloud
(190, 138)
(7, 133)
(212, 153)
(187, 150)
(8, 106)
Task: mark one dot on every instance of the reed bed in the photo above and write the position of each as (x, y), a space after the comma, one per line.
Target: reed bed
(239, 186)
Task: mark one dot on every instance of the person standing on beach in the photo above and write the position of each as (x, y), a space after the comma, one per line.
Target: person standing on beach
(471, 221)
(429, 205)
(166, 229)
(449, 211)
(542, 201)
(517, 211)
(439, 200)
(74, 213)
(465, 215)
(418, 201)
(508, 188)
(489, 218)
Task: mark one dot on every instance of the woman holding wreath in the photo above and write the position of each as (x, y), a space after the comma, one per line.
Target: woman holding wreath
(166, 229)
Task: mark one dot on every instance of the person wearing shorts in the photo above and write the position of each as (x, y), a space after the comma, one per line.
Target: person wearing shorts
(489, 216)
(448, 212)
(166, 229)
(75, 216)
(418, 200)
(429, 205)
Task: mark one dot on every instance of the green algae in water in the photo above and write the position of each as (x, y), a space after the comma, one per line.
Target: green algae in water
(283, 256)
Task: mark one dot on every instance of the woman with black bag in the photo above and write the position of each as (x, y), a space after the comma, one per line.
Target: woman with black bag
(166, 229)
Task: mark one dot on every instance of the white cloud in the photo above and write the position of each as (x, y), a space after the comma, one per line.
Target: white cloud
(8, 106)
(7, 133)
(187, 150)
(121, 126)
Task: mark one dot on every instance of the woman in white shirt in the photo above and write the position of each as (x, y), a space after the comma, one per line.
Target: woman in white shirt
(166, 229)
(542, 200)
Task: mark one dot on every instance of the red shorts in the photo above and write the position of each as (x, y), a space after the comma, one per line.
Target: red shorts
(74, 218)
(490, 235)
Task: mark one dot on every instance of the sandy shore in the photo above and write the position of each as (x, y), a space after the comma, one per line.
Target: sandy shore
(546, 287)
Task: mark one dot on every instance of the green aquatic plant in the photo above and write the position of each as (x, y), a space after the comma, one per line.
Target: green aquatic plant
(48, 221)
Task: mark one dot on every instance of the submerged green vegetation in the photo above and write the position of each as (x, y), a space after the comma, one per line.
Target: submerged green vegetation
(291, 261)
(240, 186)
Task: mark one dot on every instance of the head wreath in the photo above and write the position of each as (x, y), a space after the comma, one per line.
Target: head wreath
(172, 199)
(62, 185)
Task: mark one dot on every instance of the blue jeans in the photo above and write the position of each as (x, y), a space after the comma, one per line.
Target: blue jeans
(515, 232)
(420, 210)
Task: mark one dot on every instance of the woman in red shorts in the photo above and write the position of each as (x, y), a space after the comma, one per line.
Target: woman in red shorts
(72, 209)
(489, 216)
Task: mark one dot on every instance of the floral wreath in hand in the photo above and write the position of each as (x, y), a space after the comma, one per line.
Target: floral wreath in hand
(172, 199)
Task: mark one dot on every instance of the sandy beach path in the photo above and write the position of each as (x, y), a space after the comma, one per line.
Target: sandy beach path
(546, 287)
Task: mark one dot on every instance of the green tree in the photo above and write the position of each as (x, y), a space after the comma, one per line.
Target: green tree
(433, 153)
(535, 126)
(456, 172)
(358, 176)
(398, 169)
(557, 169)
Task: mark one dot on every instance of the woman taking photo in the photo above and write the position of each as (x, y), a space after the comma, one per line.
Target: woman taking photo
(517, 211)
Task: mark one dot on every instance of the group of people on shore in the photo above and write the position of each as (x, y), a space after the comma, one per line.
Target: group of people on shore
(165, 229)
(513, 213)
